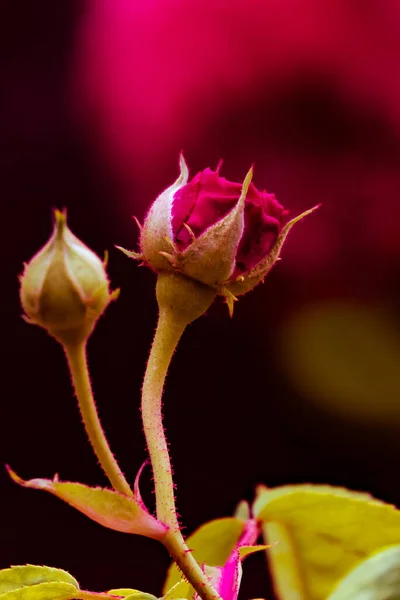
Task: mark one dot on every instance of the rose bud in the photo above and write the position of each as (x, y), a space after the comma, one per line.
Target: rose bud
(64, 287)
(222, 234)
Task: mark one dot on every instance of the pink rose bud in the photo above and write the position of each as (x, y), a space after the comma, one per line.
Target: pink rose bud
(222, 234)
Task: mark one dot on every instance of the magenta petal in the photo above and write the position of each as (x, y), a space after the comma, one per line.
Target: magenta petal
(263, 219)
(207, 198)
(202, 202)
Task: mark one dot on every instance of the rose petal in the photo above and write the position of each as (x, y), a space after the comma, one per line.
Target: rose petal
(204, 201)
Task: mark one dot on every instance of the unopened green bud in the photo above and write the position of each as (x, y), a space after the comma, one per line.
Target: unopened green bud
(64, 287)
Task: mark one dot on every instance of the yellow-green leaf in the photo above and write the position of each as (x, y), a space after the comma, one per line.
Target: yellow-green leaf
(24, 575)
(107, 507)
(31, 582)
(376, 578)
(131, 594)
(177, 591)
(123, 592)
(50, 590)
(140, 596)
(212, 544)
(323, 532)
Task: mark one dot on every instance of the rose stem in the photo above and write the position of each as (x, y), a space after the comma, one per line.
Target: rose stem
(78, 366)
(171, 325)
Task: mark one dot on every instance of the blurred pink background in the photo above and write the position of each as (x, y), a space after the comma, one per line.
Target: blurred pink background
(309, 92)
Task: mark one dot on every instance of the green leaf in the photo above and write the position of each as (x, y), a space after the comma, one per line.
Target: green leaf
(179, 590)
(323, 532)
(19, 576)
(140, 596)
(123, 592)
(31, 582)
(377, 578)
(107, 507)
(212, 544)
(51, 590)
(131, 594)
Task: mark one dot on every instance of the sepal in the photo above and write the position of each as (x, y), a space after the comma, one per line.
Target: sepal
(246, 282)
(158, 223)
(210, 258)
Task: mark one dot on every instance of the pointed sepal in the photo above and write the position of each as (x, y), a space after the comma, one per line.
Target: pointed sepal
(130, 253)
(158, 223)
(230, 299)
(210, 258)
(257, 274)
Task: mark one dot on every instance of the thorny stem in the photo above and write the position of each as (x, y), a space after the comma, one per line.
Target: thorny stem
(192, 571)
(167, 336)
(171, 325)
(77, 362)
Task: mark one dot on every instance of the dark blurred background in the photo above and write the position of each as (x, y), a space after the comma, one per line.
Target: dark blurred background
(302, 385)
